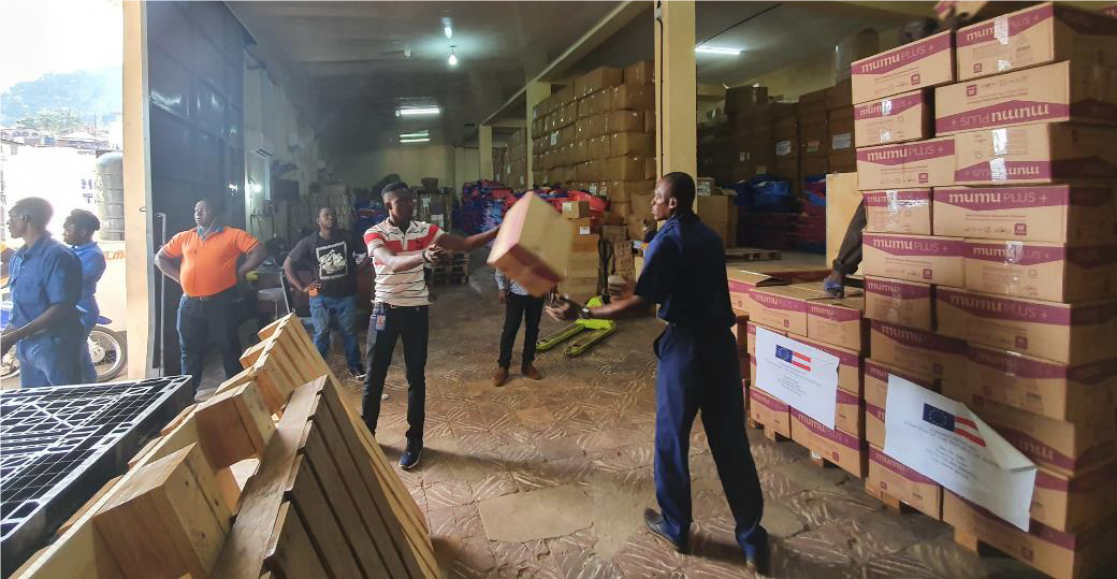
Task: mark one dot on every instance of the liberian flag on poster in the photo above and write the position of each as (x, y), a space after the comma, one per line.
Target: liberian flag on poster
(963, 427)
(797, 359)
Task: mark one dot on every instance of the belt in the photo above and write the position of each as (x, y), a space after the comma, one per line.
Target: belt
(209, 297)
(395, 307)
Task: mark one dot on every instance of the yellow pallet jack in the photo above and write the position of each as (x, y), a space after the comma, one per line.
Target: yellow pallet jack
(589, 333)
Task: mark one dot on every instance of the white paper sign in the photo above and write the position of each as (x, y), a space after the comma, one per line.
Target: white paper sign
(941, 439)
(806, 378)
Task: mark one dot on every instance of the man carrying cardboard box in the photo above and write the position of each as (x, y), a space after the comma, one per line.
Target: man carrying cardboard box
(400, 246)
(684, 272)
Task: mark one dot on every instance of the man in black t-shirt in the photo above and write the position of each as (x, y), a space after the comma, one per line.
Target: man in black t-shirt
(333, 256)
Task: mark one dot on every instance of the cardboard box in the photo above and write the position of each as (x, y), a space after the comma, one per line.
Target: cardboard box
(640, 74)
(1062, 91)
(1058, 554)
(624, 169)
(1069, 393)
(714, 208)
(1043, 271)
(924, 63)
(650, 170)
(898, 211)
(786, 148)
(840, 95)
(849, 411)
(888, 475)
(631, 97)
(1042, 153)
(598, 79)
(838, 322)
(631, 144)
(1064, 447)
(842, 201)
(623, 191)
(837, 447)
(641, 204)
(842, 161)
(1046, 33)
(918, 351)
(739, 330)
(903, 303)
(622, 122)
(876, 396)
(922, 258)
(741, 284)
(575, 209)
(1073, 215)
(920, 164)
(1067, 503)
(1067, 333)
(533, 245)
(782, 307)
(750, 338)
(769, 410)
(904, 117)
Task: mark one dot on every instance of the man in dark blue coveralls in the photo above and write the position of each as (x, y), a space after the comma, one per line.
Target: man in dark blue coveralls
(46, 287)
(684, 272)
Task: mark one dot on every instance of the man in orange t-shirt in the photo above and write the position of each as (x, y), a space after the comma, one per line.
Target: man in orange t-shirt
(204, 262)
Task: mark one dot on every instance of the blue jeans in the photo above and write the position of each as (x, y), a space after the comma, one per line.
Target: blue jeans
(51, 359)
(88, 371)
(342, 311)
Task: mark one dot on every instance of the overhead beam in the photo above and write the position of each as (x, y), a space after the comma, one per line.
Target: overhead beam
(624, 13)
(885, 8)
(711, 92)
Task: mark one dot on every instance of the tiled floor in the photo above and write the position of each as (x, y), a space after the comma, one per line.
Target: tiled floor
(571, 456)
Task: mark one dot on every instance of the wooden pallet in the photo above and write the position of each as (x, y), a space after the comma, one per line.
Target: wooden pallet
(751, 254)
(769, 432)
(323, 501)
(890, 502)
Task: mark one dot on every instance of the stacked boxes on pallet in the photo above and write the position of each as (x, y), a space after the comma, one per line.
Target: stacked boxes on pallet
(580, 281)
(515, 162)
(990, 258)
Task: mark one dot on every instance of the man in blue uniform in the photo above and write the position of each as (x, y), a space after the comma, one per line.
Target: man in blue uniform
(77, 232)
(46, 287)
(684, 272)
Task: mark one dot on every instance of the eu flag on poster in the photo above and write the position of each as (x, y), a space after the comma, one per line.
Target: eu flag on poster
(794, 358)
(963, 427)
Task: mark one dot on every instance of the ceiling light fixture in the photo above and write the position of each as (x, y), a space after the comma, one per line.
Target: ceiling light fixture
(449, 32)
(719, 50)
(453, 60)
(448, 26)
(424, 140)
(418, 111)
(415, 135)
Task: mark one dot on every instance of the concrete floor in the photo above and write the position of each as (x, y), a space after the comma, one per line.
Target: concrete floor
(550, 478)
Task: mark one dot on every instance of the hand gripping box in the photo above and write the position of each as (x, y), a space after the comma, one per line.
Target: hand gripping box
(924, 63)
(1077, 393)
(928, 163)
(918, 351)
(896, 119)
(1044, 271)
(534, 245)
(888, 475)
(922, 258)
(1070, 214)
(904, 303)
(1035, 154)
(898, 211)
(1066, 333)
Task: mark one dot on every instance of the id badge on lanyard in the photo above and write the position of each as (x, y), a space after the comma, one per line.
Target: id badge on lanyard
(379, 317)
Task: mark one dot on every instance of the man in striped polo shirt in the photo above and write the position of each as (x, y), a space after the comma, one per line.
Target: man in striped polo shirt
(400, 246)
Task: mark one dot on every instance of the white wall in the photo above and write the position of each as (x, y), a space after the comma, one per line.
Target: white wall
(410, 162)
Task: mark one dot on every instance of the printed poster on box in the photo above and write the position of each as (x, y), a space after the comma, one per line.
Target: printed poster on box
(805, 378)
(941, 439)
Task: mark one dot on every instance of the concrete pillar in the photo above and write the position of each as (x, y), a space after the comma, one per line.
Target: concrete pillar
(676, 87)
(485, 150)
(138, 241)
(536, 92)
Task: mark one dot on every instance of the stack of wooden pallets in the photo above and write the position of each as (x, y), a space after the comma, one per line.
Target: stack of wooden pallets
(454, 270)
(322, 502)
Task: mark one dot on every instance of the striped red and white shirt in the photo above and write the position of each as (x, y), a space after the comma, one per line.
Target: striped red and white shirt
(401, 288)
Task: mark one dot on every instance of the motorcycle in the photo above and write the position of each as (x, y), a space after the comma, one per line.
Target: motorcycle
(106, 348)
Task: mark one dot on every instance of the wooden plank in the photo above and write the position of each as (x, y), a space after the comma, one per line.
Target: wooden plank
(267, 331)
(178, 419)
(243, 377)
(321, 522)
(252, 354)
(234, 425)
(228, 488)
(146, 448)
(290, 552)
(88, 505)
(272, 392)
(368, 500)
(249, 539)
(378, 484)
(168, 520)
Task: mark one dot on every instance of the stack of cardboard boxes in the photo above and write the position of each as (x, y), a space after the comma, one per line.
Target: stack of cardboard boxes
(598, 135)
(581, 276)
(515, 162)
(990, 261)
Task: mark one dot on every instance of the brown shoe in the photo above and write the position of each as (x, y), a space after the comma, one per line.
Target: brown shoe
(500, 377)
(530, 372)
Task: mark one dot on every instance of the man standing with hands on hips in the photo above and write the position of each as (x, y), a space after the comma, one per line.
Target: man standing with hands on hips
(684, 272)
(399, 247)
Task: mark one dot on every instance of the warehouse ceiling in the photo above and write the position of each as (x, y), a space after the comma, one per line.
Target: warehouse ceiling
(354, 62)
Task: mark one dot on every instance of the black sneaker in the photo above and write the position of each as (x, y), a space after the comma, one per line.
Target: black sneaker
(658, 527)
(357, 373)
(758, 555)
(410, 458)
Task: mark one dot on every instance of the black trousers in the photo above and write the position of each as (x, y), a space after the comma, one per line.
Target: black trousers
(849, 253)
(412, 324)
(202, 323)
(518, 307)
